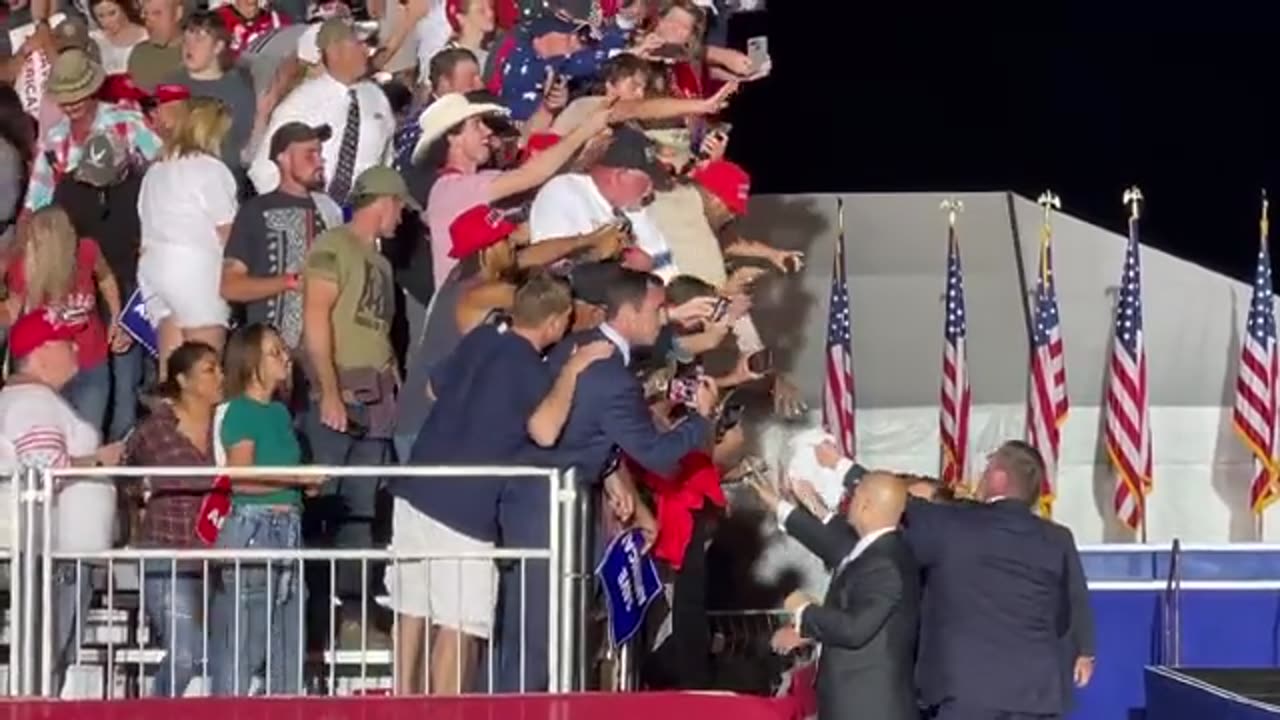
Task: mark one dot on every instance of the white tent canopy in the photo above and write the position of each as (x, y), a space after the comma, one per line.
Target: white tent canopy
(895, 251)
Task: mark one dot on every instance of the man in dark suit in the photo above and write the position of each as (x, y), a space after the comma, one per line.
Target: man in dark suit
(1005, 598)
(868, 622)
(825, 535)
(607, 415)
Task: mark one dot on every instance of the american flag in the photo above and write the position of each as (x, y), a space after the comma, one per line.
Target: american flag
(1047, 405)
(953, 421)
(1128, 431)
(837, 391)
(1256, 383)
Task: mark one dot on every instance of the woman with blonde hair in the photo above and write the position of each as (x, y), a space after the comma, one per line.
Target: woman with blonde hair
(56, 270)
(186, 206)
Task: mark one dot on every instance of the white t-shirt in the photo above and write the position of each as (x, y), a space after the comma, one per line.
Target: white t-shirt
(433, 33)
(45, 432)
(184, 200)
(571, 204)
(115, 58)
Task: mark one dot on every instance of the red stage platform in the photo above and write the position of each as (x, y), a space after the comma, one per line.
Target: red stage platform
(599, 706)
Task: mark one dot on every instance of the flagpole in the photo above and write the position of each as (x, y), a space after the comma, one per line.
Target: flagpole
(953, 207)
(1050, 202)
(1264, 229)
(1133, 198)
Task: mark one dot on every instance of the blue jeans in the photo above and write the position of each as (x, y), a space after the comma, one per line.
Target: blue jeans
(345, 510)
(129, 371)
(256, 626)
(175, 607)
(70, 605)
(89, 392)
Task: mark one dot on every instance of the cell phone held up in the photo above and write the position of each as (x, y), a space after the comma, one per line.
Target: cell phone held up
(760, 362)
(683, 387)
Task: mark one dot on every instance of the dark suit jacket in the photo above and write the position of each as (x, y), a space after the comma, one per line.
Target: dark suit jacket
(1005, 598)
(609, 411)
(867, 628)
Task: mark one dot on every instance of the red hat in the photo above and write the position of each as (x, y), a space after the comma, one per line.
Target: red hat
(477, 229)
(121, 88)
(169, 92)
(727, 181)
(37, 328)
(536, 143)
(453, 13)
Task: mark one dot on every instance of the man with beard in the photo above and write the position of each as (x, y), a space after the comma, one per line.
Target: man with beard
(272, 233)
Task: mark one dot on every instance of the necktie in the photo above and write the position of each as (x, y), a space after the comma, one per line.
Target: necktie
(340, 186)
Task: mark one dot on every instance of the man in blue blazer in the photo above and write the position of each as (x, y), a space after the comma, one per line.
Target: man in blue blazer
(608, 417)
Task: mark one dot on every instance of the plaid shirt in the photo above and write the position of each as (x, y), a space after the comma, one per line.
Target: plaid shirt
(58, 153)
(174, 504)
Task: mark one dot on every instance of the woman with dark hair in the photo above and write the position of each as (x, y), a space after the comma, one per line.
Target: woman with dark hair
(118, 30)
(178, 432)
(256, 610)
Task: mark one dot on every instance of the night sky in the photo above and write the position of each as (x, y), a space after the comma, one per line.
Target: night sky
(914, 97)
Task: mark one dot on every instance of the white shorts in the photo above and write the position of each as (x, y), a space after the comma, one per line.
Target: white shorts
(184, 284)
(459, 594)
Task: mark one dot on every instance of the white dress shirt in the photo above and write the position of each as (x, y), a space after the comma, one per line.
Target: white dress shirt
(624, 348)
(324, 100)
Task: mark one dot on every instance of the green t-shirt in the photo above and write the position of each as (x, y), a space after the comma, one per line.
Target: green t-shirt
(274, 444)
(151, 64)
(366, 298)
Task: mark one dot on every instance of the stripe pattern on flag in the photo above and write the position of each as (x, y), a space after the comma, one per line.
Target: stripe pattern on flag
(1047, 404)
(837, 388)
(1254, 415)
(1128, 425)
(953, 419)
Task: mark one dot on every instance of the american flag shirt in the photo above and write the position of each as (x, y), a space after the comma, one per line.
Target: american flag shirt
(523, 72)
(58, 153)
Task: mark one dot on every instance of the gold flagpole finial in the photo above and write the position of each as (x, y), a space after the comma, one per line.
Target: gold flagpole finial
(1133, 198)
(1265, 223)
(953, 207)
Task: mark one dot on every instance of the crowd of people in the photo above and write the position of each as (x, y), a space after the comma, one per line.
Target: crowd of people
(469, 232)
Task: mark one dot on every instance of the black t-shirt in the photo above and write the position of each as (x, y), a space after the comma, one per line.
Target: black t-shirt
(271, 236)
(110, 216)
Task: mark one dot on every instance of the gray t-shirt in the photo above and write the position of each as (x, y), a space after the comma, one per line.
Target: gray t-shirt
(271, 236)
(232, 88)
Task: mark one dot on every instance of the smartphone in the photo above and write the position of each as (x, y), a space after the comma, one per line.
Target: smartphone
(723, 129)
(683, 388)
(720, 310)
(355, 428)
(758, 52)
(760, 362)
(730, 417)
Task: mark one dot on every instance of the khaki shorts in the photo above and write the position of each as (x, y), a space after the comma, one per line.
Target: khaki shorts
(458, 594)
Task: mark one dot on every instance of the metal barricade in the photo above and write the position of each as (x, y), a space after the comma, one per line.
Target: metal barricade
(118, 641)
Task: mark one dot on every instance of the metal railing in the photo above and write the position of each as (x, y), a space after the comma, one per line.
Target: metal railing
(44, 575)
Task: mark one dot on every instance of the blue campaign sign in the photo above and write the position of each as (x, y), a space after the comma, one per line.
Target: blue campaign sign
(630, 582)
(135, 321)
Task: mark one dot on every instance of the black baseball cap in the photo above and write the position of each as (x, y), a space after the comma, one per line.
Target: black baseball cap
(633, 150)
(296, 132)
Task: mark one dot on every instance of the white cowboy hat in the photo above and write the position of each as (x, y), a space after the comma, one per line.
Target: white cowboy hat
(446, 112)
